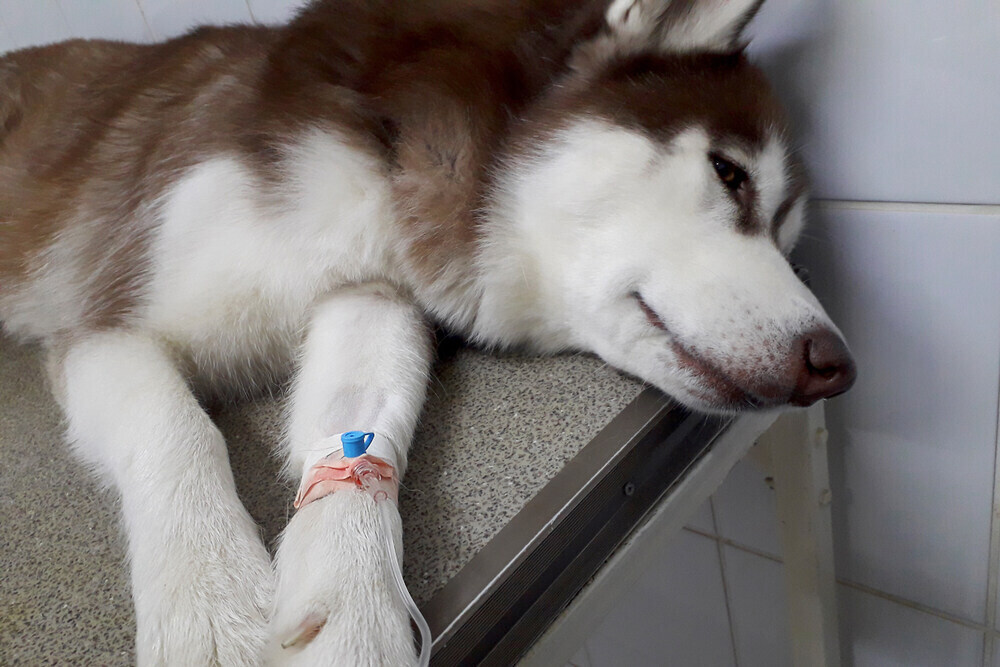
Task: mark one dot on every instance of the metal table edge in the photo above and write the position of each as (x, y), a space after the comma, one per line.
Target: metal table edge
(643, 431)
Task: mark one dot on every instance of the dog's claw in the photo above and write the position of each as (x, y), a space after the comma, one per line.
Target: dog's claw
(306, 631)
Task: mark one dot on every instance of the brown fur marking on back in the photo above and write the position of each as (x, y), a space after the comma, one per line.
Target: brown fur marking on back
(441, 90)
(95, 131)
(439, 83)
(104, 128)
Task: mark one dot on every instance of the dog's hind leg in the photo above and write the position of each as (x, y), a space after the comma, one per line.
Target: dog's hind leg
(364, 367)
(201, 578)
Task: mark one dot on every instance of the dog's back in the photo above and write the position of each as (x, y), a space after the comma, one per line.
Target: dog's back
(92, 133)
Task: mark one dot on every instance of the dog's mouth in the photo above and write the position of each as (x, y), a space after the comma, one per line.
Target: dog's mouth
(722, 390)
(650, 314)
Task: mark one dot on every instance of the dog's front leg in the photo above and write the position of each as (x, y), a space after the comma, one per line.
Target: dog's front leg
(201, 578)
(364, 367)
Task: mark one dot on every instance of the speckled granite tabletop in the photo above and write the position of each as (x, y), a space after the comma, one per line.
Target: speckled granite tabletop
(494, 431)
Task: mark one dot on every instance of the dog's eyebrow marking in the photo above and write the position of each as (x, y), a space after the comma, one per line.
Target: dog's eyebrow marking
(781, 214)
(749, 219)
(798, 189)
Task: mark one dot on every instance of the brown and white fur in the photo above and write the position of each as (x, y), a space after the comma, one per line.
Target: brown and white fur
(211, 214)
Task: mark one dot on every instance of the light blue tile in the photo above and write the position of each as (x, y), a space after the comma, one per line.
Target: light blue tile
(33, 22)
(107, 19)
(274, 11)
(894, 101)
(876, 632)
(997, 609)
(169, 18)
(912, 446)
(7, 42)
(677, 609)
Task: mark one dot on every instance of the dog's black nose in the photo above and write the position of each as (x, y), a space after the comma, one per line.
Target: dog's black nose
(826, 367)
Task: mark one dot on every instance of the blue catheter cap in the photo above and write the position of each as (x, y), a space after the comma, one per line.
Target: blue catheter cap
(356, 443)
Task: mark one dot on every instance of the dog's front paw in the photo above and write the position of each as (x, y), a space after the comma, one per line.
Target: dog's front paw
(203, 598)
(336, 603)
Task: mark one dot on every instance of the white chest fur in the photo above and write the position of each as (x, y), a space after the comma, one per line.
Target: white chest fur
(234, 272)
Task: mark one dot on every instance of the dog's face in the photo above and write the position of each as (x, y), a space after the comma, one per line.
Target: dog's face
(662, 213)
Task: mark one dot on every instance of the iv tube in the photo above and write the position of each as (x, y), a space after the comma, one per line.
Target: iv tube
(397, 574)
(369, 478)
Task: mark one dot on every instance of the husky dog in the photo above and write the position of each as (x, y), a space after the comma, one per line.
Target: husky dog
(209, 215)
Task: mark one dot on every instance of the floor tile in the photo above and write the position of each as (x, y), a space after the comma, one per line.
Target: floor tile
(677, 610)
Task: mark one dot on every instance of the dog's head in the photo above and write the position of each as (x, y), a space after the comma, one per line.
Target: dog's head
(656, 200)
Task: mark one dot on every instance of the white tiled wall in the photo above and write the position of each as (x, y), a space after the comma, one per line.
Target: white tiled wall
(108, 19)
(274, 11)
(32, 22)
(683, 598)
(757, 604)
(897, 100)
(893, 102)
(6, 42)
(880, 633)
(703, 521)
(173, 17)
(745, 509)
(917, 294)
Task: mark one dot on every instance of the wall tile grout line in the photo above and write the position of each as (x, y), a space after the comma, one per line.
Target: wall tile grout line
(993, 578)
(149, 27)
(250, 9)
(889, 597)
(62, 13)
(908, 207)
(736, 545)
(725, 582)
(916, 606)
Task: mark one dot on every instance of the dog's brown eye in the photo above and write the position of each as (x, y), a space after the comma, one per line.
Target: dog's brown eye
(731, 175)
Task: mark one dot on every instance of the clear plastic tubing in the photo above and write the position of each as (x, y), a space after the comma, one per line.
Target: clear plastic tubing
(369, 478)
(385, 511)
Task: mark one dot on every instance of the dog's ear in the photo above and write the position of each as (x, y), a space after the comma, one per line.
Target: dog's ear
(707, 25)
(636, 19)
(682, 25)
